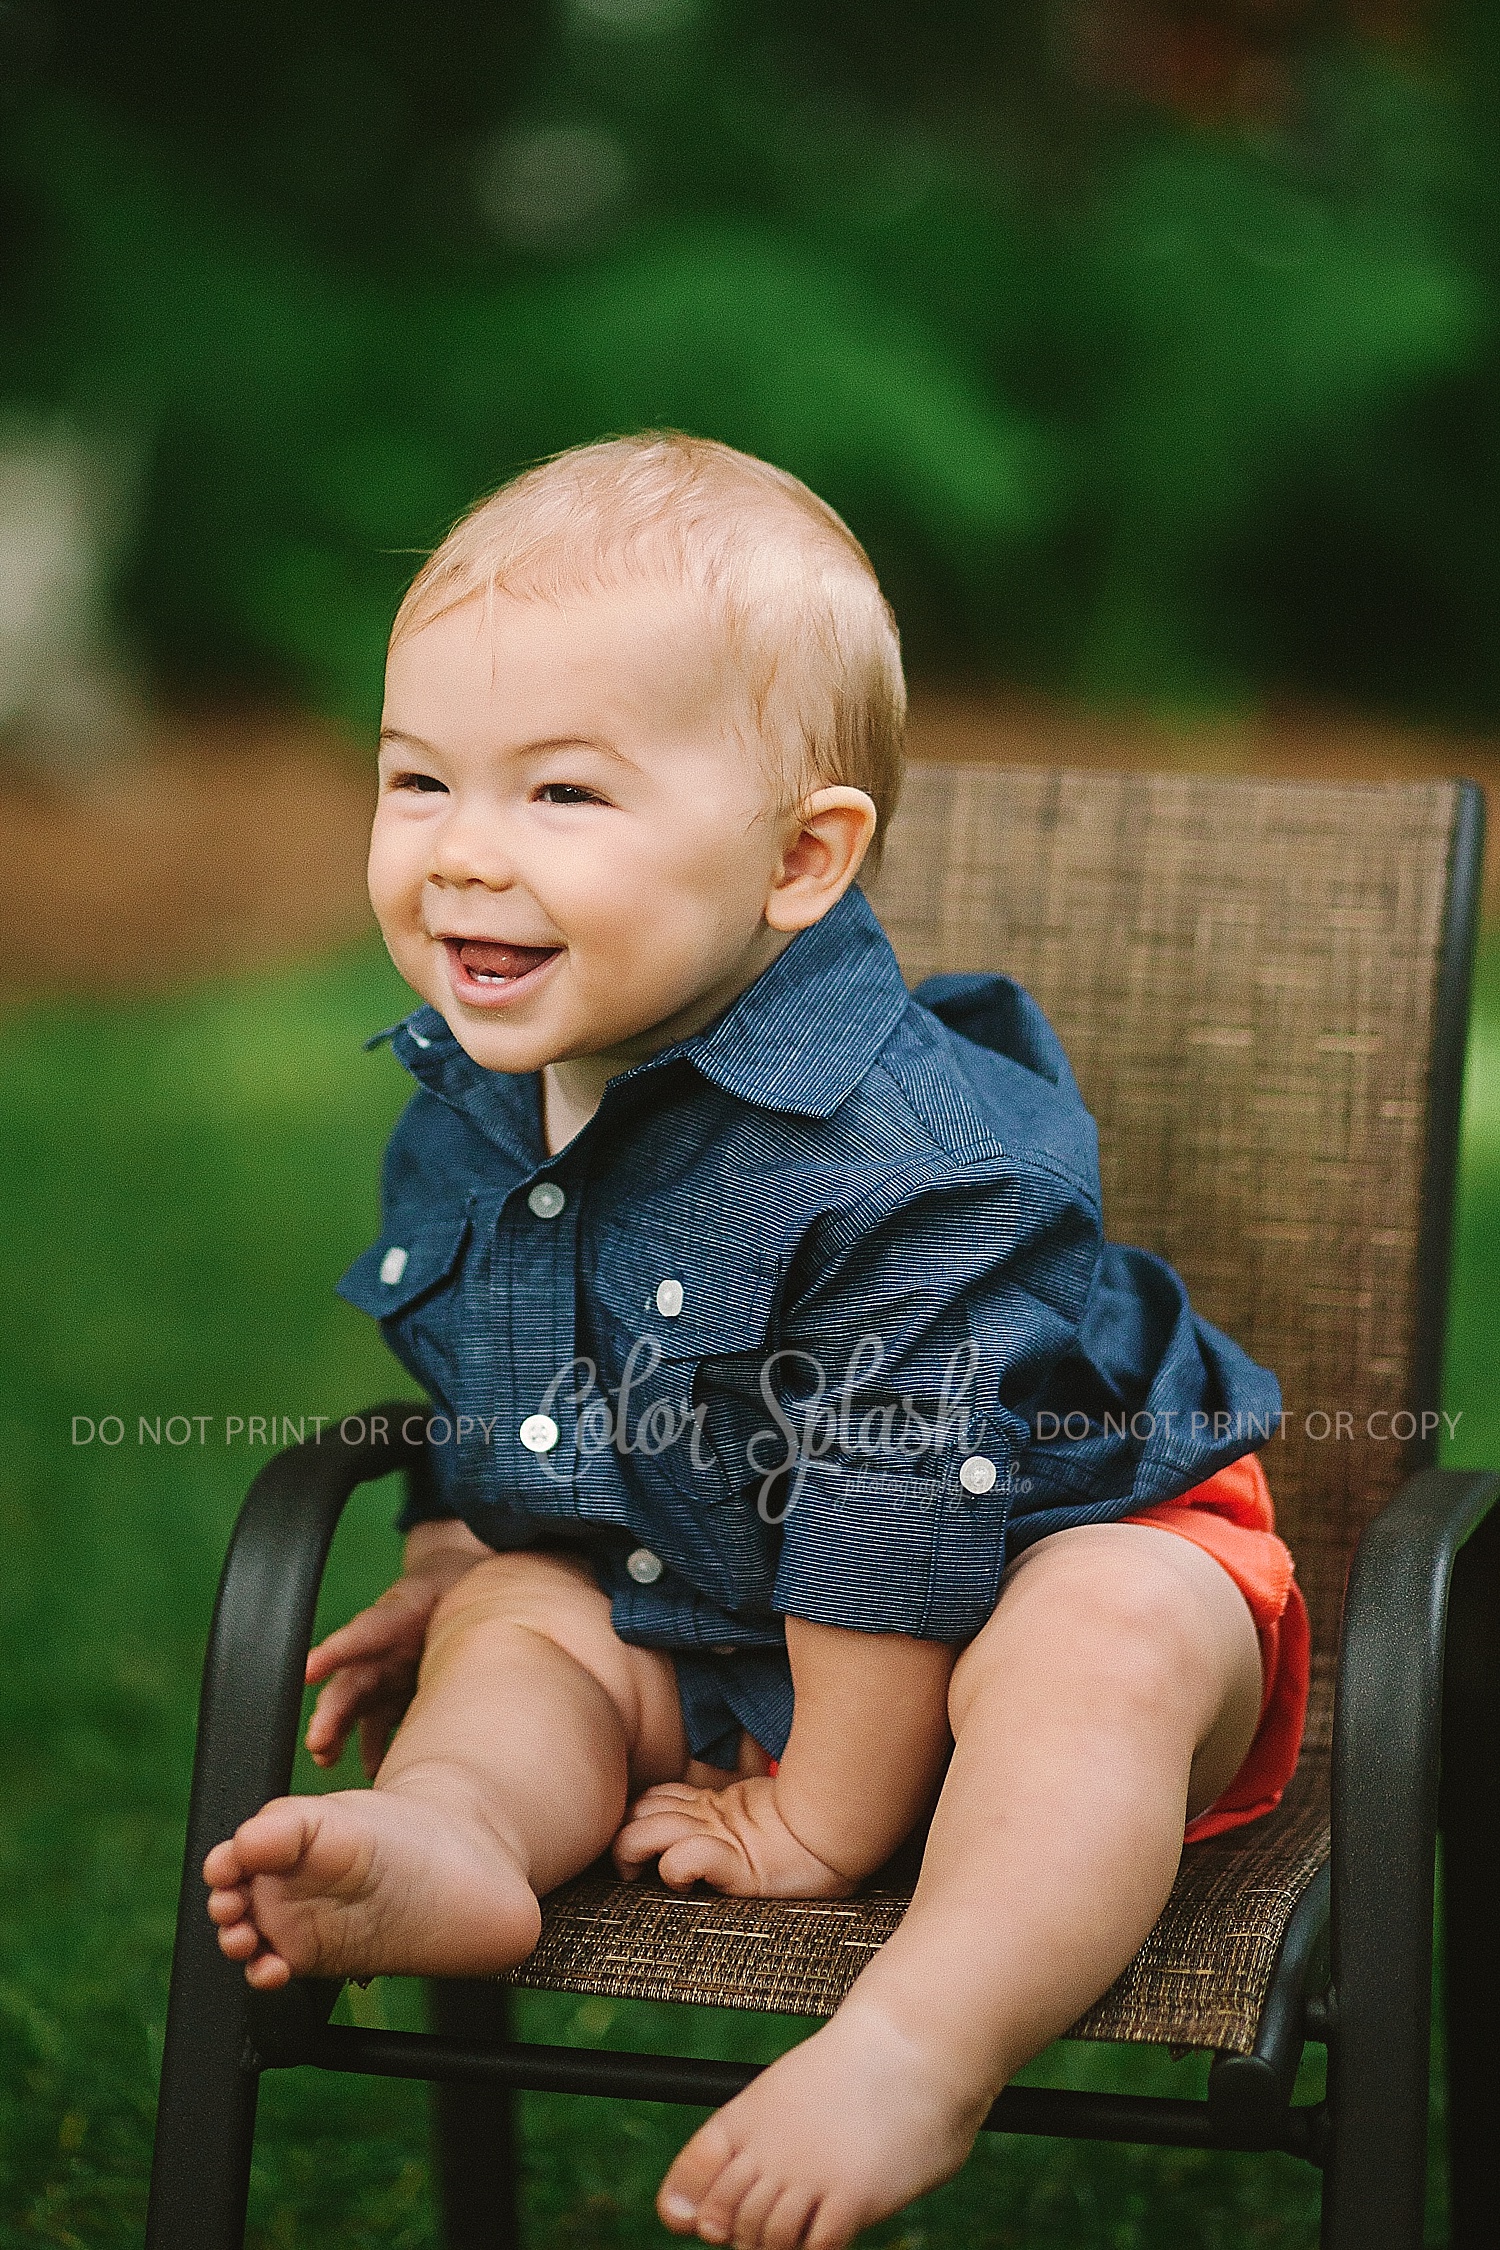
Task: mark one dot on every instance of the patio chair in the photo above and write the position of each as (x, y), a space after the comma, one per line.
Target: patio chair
(1263, 989)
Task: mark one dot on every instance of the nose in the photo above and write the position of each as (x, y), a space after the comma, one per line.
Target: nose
(472, 846)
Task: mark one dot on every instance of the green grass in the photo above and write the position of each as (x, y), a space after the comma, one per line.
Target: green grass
(188, 1175)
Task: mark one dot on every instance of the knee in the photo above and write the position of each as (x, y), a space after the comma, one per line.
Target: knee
(1123, 1623)
(539, 1591)
(1143, 1649)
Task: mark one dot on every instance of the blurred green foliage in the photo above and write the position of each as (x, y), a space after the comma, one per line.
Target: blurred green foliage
(1121, 403)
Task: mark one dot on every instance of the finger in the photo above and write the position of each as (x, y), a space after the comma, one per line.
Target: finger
(348, 1694)
(640, 1840)
(706, 1859)
(346, 1646)
(676, 1796)
(630, 1854)
(396, 1621)
(227, 1907)
(339, 1701)
(332, 1655)
(828, 2226)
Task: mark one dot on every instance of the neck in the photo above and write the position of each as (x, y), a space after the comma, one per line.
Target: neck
(571, 1092)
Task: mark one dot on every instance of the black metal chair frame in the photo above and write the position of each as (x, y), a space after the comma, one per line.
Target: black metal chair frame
(1416, 1753)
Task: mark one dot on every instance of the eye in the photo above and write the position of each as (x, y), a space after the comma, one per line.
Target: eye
(427, 783)
(566, 793)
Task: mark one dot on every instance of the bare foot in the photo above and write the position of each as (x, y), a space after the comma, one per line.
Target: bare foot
(837, 2134)
(368, 1882)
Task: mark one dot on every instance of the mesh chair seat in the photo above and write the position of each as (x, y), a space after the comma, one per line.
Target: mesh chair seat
(1199, 1981)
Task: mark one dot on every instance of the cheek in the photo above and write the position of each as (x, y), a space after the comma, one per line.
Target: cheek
(659, 897)
(389, 869)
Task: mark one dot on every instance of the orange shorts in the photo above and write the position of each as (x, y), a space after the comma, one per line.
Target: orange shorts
(1232, 1519)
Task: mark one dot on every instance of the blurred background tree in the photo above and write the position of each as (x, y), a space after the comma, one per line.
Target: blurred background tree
(1151, 348)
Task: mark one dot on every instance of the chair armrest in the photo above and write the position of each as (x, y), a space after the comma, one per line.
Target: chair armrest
(262, 1623)
(218, 2031)
(1389, 1705)
(1387, 1758)
(251, 1701)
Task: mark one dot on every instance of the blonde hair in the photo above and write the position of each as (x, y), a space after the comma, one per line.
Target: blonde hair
(804, 616)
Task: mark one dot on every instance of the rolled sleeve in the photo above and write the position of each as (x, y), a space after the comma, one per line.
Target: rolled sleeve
(903, 1389)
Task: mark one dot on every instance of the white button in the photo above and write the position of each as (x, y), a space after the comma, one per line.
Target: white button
(538, 1433)
(977, 1474)
(393, 1266)
(669, 1299)
(644, 1567)
(723, 1648)
(546, 1199)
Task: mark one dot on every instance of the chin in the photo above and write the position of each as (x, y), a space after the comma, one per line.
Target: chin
(515, 1056)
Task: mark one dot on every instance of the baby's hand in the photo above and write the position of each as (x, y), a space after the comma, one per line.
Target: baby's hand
(734, 1838)
(371, 1663)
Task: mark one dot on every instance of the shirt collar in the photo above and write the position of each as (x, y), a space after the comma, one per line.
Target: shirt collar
(505, 1105)
(802, 1036)
(798, 1040)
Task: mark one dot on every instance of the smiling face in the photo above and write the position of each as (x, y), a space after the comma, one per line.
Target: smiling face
(574, 848)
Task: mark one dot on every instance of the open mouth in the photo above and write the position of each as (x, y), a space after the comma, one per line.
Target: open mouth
(483, 969)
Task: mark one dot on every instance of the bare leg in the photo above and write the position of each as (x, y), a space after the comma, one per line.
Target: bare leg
(1113, 1693)
(531, 1725)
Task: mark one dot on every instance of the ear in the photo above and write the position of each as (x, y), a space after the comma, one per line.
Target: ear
(829, 835)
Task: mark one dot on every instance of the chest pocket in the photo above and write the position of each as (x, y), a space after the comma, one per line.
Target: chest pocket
(681, 1432)
(405, 1265)
(694, 1300)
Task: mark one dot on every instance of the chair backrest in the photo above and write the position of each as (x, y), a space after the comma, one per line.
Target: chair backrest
(1262, 987)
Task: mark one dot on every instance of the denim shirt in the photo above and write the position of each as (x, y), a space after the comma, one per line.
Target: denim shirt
(814, 1317)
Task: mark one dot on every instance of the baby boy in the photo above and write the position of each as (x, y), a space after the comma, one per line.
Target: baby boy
(747, 1286)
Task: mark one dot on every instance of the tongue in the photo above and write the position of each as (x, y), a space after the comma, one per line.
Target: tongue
(503, 960)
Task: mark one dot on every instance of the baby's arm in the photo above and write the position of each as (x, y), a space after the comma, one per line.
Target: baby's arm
(370, 1664)
(865, 1755)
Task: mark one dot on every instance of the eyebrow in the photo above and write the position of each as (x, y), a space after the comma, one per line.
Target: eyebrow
(394, 735)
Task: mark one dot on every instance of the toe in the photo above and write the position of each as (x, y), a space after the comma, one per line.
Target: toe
(691, 2175)
(833, 2226)
(785, 2224)
(748, 2231)
(677, 2213)
(222, 1867)
(268, 1973)
(240, 1941)
(718, 2213)
(273, 1840)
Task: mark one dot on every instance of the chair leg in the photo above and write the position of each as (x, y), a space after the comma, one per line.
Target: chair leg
(1471, 1864)
(1379, 2056)
(1374, 2178)
(473, 2127)
(205, 2114)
